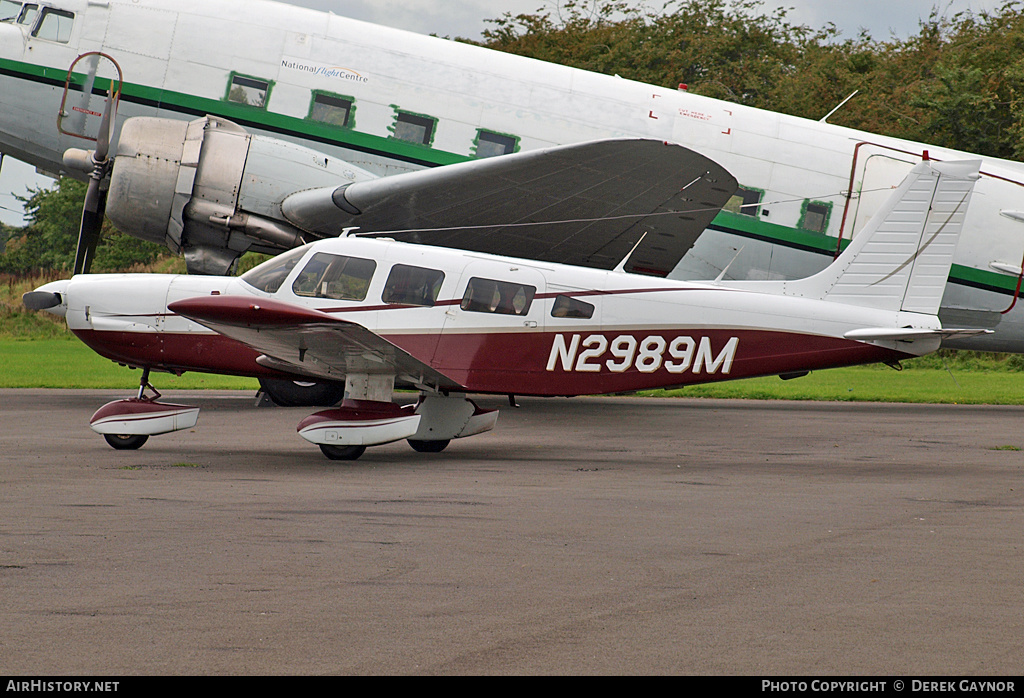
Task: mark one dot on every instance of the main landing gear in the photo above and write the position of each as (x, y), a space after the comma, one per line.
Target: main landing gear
(289, 393)
(343, 433)
(128, 424)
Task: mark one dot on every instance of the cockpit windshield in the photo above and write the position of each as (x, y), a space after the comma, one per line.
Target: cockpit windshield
(269, 276)
(9, 10)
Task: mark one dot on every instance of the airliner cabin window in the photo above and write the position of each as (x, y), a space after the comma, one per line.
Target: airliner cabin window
(336, 277)
(329, 109)
(55, 25)
(501, 297)
(269, 276)
(9, 10)
(414, 128)
(815, 216)
(412, 285)
(251, 91)
(744, 201)
(565, 306)
(489, 144)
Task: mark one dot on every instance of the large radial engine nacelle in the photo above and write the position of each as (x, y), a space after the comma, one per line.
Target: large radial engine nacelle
(211, 190)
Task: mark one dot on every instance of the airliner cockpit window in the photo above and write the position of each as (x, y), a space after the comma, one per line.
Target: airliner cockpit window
(29, 12)
(55, 25)
(9, 10)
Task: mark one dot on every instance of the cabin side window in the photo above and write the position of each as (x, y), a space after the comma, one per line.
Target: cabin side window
(745, 201)
(500, 297)
(336, 277)
(815, 215)
(55, 25)
(490, 144)
(414, 128)
(407, 285)
(332, 109)
(566, 306)
(243, 89)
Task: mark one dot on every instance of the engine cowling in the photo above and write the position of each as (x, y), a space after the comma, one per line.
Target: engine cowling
(211, 190)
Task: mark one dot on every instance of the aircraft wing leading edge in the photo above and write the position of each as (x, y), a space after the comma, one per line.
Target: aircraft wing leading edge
(587, 204)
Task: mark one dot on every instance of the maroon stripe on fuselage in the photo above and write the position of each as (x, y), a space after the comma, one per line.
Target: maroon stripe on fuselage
(517, 362)
(165, 351)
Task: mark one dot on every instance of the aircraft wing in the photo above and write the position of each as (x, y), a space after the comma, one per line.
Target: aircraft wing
(307, 342)
(587, 204)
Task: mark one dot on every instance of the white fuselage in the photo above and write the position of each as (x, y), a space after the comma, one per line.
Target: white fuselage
(572, 330)
(183, 58)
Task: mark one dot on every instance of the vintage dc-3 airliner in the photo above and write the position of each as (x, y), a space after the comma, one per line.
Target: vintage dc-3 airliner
(230, 112)
(379, 313)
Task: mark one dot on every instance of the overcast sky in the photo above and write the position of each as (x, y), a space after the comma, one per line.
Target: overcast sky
(465, 18)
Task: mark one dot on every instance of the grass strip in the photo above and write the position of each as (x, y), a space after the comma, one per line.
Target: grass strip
(67, 363)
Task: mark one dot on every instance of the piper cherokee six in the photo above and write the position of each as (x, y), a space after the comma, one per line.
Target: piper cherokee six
(379, 313)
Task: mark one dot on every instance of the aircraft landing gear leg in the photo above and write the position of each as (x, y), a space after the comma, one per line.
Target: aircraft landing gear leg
(143, 384)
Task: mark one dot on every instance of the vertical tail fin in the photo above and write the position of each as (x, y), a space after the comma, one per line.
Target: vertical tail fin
(901, 259)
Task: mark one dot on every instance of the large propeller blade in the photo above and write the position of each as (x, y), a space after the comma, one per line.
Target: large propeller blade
(96, 194)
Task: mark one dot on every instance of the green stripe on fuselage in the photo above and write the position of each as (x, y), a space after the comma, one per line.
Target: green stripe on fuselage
(306, 129)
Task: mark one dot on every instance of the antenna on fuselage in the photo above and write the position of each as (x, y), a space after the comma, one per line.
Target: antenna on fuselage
(824, 119)
(726, 268)
(622, 265)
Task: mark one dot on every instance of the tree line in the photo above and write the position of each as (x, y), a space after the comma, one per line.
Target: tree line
(958, 82)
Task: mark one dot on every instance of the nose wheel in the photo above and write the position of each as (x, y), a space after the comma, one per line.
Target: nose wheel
(342, 452)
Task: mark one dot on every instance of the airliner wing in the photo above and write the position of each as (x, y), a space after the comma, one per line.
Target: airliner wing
(307, 342)
(587, 204)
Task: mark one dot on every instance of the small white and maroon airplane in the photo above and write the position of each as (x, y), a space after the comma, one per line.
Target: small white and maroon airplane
(376, 313)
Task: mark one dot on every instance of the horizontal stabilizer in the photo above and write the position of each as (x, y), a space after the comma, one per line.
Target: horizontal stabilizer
(909, 334)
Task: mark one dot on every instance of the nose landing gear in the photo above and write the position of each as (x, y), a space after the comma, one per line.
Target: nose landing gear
(128, 424)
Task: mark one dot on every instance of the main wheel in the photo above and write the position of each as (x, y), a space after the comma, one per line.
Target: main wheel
(429, 446)
(342, 452)
(126, 442)
(286, 393)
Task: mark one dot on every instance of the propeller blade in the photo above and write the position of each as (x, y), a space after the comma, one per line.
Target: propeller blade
(95, 196)
(105, 131)
(92, 223)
